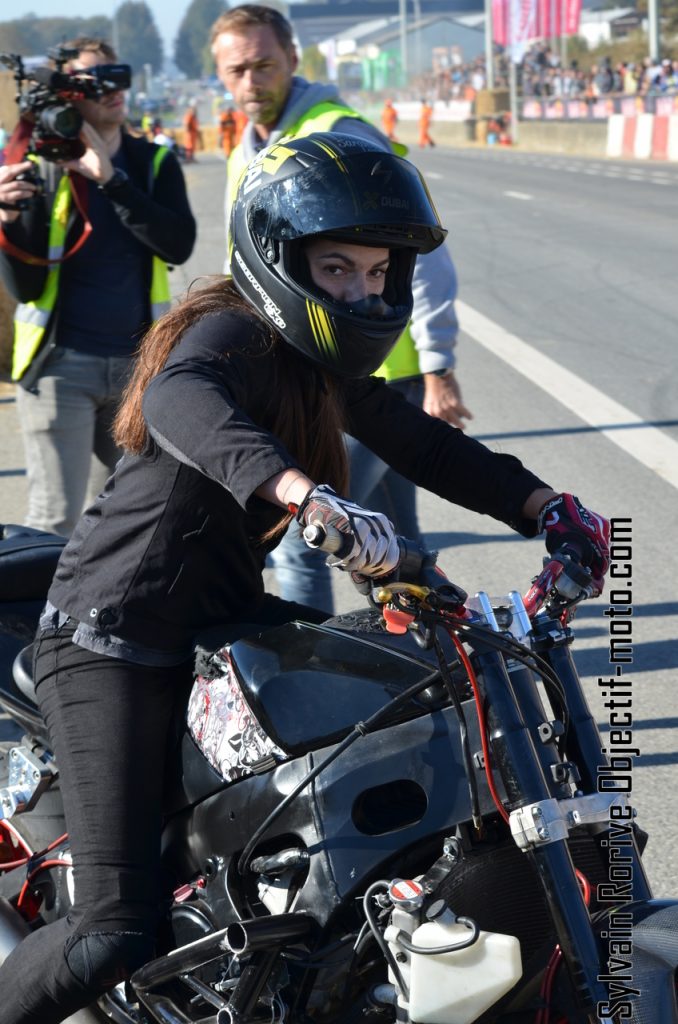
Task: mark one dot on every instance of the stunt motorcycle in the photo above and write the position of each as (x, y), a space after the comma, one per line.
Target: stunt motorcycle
(393, 816)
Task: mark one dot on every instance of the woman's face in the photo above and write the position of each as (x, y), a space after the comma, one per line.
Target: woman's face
(346, 271)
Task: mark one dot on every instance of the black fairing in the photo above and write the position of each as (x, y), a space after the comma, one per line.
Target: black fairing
(395, 790)
(387, 793)
(309, 685)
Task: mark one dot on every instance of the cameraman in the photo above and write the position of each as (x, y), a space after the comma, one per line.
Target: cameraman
(81, 320)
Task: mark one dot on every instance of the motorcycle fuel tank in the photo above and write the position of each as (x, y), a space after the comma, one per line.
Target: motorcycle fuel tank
(309, 685)
(294, 689)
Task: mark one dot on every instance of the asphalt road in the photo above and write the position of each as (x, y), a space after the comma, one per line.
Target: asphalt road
(567, 357)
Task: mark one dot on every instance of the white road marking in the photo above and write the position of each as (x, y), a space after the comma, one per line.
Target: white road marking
(649, 445)
(434, 175)
(518, 195)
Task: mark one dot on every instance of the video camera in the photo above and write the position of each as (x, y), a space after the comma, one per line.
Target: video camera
(47, 103)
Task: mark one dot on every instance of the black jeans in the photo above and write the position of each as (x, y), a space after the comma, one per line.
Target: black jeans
(109, 721)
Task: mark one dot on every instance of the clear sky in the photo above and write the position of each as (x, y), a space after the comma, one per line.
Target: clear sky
(168, 14)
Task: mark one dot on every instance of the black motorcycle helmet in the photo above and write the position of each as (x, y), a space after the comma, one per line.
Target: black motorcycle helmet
(346, 188)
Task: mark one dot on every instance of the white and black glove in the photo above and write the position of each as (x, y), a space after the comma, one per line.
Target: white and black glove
(371, 543)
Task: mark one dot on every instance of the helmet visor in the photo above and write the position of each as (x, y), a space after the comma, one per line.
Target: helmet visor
(374, 198)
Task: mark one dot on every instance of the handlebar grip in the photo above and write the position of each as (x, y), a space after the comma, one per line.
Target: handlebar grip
(334, 542)
(328, 538)
(572, 546)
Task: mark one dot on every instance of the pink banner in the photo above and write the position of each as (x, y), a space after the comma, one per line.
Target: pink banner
(517, 22)
(514, 21)
(602, 107)
(577, 108)
(630, 105)
(556, 109)
(532, 108)
(666, 105)
(558, 18)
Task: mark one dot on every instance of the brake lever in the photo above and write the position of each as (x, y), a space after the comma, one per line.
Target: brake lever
(417, 575)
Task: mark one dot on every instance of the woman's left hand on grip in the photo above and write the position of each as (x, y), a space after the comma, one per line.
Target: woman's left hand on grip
(375, 549)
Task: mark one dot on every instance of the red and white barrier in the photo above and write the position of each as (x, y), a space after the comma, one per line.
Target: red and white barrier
(644, 137)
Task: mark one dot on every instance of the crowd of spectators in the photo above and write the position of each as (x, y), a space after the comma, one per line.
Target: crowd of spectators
(541, 74)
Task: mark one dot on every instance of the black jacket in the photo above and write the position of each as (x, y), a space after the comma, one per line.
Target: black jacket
(172, 546)
(156, 212)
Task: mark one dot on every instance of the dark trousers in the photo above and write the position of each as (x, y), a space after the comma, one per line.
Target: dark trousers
(109, 721)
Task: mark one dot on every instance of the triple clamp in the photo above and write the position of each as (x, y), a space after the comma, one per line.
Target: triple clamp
(548, 821)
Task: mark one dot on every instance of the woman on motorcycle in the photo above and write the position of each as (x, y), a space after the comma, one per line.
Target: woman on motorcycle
(234, 414)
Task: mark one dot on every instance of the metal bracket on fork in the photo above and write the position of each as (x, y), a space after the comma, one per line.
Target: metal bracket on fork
(28, 778)
(548, 821)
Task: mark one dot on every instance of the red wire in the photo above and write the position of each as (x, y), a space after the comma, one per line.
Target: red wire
(10, 865)
(8, 827)
(56, 863)
(544, 1014)
(481, 723)
(20, 841)
(585, 885)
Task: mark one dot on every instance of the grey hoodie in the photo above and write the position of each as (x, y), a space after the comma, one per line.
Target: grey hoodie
(434, 324)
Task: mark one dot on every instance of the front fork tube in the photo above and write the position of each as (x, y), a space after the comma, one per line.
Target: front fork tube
(521, 770)
(584, 747)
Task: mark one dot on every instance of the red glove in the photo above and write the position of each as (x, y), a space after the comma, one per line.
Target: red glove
(568, 524)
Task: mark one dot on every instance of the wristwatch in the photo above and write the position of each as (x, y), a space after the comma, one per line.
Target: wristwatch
(118, 179)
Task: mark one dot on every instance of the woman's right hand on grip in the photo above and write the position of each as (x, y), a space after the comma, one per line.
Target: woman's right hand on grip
(372, 545)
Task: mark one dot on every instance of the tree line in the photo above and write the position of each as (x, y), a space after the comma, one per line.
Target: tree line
(134, 33)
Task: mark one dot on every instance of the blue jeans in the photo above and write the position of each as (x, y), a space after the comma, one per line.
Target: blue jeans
(300, 571)
(66, 421)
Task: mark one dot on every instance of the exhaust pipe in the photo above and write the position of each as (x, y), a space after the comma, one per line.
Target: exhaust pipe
(241, 937)
(261, 937)
(179, 961)
(264, 932)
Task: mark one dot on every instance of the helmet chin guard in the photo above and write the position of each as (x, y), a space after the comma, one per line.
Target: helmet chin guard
(349, 189)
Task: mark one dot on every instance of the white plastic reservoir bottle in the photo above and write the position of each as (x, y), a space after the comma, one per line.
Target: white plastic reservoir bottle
(457, 987)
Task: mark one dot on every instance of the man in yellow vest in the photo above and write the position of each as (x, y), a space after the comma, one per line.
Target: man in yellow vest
(81, 317)
(256, 62)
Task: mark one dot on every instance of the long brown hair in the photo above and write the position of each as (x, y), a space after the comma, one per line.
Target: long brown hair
(304, 408)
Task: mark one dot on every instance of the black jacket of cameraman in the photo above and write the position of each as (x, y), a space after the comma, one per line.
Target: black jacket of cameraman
(155, 210)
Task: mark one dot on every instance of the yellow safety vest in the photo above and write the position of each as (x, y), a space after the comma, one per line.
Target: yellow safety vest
(403, 361)
(31, 318)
